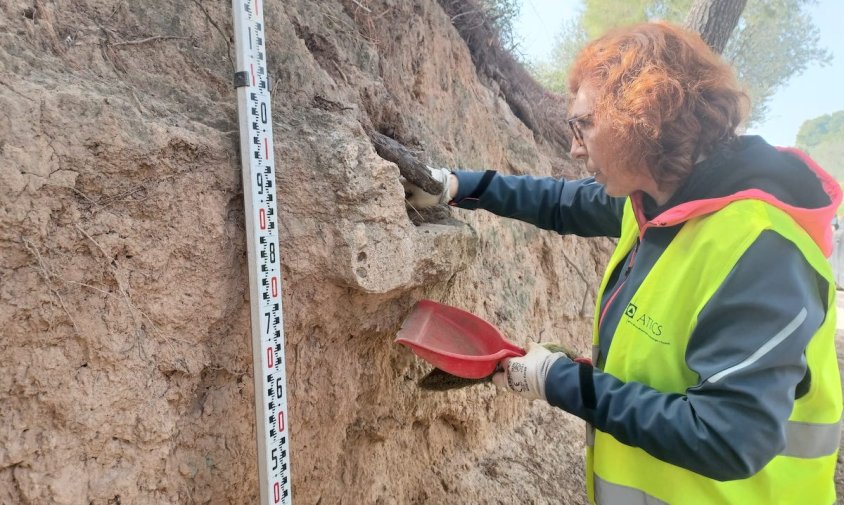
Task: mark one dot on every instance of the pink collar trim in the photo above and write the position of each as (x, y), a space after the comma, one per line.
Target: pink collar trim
(816, 222)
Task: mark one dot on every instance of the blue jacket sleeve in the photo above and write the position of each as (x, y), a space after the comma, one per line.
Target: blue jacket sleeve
(579, 207)
(732, 423)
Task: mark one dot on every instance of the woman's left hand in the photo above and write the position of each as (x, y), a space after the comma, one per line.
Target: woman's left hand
(526, 375)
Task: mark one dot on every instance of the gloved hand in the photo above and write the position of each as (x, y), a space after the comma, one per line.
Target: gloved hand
(419, 199)
(526, 375)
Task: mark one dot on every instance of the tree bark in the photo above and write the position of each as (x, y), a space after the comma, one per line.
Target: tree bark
(409, 165)
(715, 20)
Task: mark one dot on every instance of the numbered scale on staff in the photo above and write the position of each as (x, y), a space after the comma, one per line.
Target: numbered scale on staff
(259, 195)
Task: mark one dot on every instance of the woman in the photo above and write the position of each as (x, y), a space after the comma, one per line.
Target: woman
(715, 378)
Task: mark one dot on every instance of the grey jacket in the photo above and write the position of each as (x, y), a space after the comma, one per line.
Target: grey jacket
(727, 429)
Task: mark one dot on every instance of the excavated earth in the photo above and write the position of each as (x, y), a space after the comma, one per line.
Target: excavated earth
(125, 355)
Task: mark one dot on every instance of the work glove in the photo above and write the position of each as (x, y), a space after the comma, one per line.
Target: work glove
(526, 375)
(419, 199)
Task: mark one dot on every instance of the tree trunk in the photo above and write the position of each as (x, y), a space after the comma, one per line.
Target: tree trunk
(715, 20)
(410, 167)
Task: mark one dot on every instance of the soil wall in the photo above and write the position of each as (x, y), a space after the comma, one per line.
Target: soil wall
(125, 356)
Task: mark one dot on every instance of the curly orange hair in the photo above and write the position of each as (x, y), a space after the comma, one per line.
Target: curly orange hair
(666, 96)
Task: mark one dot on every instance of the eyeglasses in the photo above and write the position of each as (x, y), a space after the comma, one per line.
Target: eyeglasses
(574, 124)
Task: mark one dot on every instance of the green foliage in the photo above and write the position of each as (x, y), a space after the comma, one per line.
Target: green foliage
(601, 15)
(571, 38)
(774, 41)
(823, 139)
(598, 17)
(503, 14)
(813, 132)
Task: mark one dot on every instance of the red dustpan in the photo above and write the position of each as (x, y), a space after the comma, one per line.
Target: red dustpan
(454, 340)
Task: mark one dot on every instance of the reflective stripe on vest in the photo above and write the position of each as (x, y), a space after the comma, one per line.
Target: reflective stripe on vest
(607, 493)
(811, 440)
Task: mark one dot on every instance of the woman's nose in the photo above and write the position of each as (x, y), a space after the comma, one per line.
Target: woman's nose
(578, 150)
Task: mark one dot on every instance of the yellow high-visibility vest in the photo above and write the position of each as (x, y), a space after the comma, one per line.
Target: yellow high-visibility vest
(682, 281)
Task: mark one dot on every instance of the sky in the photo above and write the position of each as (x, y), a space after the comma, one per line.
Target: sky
(816, 92)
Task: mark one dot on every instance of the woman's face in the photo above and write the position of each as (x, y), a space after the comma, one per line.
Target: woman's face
(596, 148)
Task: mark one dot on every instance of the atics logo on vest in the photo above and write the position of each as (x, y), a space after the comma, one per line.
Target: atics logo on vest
(644, 323)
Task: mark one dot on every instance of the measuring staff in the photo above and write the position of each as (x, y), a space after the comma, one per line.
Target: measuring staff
(259, 198)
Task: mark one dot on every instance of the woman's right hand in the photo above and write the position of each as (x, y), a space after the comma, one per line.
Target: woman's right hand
(419, 199)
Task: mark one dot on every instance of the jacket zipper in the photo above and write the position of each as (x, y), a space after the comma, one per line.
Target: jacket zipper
(625, 275)
(644, 224)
